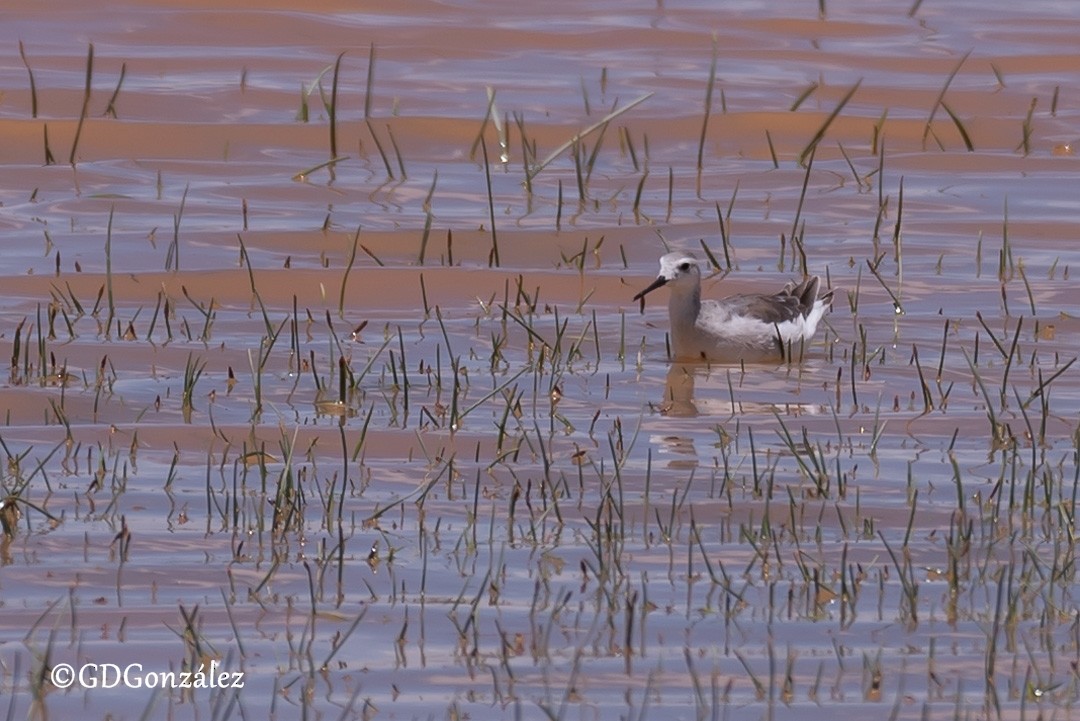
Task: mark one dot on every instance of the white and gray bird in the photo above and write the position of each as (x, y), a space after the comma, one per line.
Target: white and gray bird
(752, 328)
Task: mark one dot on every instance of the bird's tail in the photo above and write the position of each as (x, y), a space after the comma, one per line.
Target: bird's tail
(807, 293)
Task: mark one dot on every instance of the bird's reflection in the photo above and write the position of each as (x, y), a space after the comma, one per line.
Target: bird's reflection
(679, 390)
(718, 392)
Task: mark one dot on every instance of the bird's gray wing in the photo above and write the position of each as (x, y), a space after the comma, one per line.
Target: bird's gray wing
(792, 301)
(766, 308)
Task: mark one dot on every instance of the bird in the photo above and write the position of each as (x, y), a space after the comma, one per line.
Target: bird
(752, 328)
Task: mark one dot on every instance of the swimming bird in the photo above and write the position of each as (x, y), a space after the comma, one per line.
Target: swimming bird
(753, 328)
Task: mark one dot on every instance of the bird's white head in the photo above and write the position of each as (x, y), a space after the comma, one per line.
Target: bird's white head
(680, 270)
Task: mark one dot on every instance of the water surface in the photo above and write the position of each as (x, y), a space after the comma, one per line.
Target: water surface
(521, 508)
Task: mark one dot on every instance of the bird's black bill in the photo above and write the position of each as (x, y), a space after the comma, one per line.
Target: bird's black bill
(655, 284)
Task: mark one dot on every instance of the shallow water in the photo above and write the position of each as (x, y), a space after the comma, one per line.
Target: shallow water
(521, 508)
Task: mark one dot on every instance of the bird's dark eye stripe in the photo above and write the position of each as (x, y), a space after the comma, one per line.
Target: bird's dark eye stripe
(684, 266)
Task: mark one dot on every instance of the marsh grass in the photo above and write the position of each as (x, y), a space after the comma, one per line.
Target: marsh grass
(493, 256)
(708, 112)
(109, 275)
(1027, 129)
(491, 116)
(193, 370)
(382, 152)
(332, 106)
(369, 84)
(772, 150)
(172, 255)
(397, 153)
(328, 164)
(577, 138)
(429, 218)
(110, 107)
(960, 128)
(84, 111)
(344, 276)
(33, 84)
(809, 163)
(804, 96)
(819, 135)
(939, 104)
